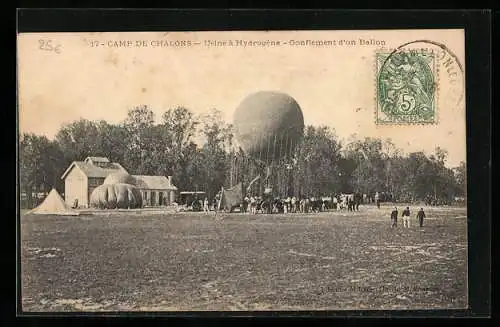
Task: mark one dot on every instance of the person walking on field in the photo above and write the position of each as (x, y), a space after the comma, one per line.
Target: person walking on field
(406, 217)
(420, 217)
(394, 217)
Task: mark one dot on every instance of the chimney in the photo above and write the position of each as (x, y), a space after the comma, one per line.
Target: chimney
(169, 180)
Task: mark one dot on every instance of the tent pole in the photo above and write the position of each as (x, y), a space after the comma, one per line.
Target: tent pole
(236, 169)
(231, 173)
(220, 200)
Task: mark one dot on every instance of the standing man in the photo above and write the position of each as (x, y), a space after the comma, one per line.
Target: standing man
(394, 217)
(246, 204)
(253, 204)
(306, 204)
(205, 206)
(377, 200)
(406, 217)
(420, 217)
(349, 203)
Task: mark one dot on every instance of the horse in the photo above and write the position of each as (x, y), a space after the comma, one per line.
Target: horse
(317, 205)
(358, 198)
(264, 206)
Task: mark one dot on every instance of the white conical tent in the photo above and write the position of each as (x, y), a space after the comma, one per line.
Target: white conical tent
(54, 205)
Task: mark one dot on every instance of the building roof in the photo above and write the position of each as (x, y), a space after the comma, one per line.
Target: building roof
(97, 159)
(153, 182)
(94, 171)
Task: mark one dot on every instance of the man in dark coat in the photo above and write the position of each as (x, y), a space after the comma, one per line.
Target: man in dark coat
(350, 202)
(420, 217)
(394, 217)
(406, 217)
(357, 200)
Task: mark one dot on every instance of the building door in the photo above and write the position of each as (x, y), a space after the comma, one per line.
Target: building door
(153, 198)
(160, 198)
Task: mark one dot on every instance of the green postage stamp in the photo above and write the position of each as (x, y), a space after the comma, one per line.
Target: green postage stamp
(406, 87)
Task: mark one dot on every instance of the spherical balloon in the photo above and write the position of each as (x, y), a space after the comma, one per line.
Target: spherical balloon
(120, 177)
(268, 125)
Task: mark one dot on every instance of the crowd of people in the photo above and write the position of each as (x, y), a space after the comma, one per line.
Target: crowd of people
(303, 204)
(256, 204)
(349, 202)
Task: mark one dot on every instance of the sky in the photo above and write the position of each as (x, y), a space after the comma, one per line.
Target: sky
(63, 77)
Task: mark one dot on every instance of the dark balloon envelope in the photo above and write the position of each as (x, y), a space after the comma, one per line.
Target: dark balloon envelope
(269, 125)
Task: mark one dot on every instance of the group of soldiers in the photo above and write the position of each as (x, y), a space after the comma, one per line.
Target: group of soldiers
(302, 204)
(406, 217)
(350, 202)
(260, 204)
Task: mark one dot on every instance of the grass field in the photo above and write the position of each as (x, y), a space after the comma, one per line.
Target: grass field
(192, 261)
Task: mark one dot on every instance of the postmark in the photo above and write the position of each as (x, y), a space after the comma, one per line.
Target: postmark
(415, 80)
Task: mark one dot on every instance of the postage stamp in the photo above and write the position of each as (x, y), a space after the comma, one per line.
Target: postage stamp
(406, 87)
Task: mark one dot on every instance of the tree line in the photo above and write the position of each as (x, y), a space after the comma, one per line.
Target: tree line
(199, 152)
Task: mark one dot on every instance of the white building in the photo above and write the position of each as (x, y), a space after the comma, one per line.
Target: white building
(156, 190)
(82, 177)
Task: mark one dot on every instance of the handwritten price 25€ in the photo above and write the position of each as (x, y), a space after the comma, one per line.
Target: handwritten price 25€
(48, 45)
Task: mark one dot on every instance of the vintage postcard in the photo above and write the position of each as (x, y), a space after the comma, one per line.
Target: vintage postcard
(242, 171)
